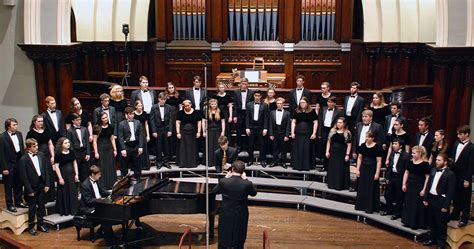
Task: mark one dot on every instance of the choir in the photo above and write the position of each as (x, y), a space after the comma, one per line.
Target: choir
(173, 128)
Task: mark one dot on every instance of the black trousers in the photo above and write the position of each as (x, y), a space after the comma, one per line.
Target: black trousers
(438, 219)
(240, 128)
(132, 161)
(82, 165)
(13, 186)
(162, 146)
(462, 200)
(256, 141)
(279, 148)
(36, 206)
(322, 146)
(394, 194)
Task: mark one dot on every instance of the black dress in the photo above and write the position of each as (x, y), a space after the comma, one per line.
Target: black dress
(223, 102)
(368, 195)
(106, 157)
(322, 101)
(403, 138)
(302, 157)
(379, 114)
(214, 129)
(174, 102)
(188, 150)
(145, 164)
(338, 175)
(66, 200)
(272, 106)
(85, 118)
(435, 152)
(119, 108)
(414, 212)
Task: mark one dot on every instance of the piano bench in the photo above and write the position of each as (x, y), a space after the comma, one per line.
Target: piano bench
(81, 221)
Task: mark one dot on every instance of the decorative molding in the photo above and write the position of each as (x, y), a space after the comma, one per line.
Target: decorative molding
(317, 58)
(249, 57)
(63, 53)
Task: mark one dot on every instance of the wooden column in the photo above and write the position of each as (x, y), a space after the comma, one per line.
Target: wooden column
(372, 50)
(53, 71)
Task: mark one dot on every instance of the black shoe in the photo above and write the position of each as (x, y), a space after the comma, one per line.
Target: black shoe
(462, 223)
(351, 189)
(394, 217)
(384, 213)
(167, 165)
(454, 217)
(284, 166)
(429, 243)
(271, 165)
(21, 205)
(12, 209)
(264, 164)
(43, 228)
(33, 232)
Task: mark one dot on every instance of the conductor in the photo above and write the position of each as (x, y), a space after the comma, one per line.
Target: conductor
(234, 213)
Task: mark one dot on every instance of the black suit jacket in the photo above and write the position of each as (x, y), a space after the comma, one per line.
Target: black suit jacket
(28, 174)
(285, 123)
(112, 117)
(189, 94)
(232, 154)
(137, 94)
(235, 191)
(238, 100)
(377, 129)
(401, 166)
(262, 116)
(155, 118)
(49, 125)
(446, 186)
(8, 156)
(388, 118)
(88, 197)
(75, 140)
(463, 167)
(357, 108)
(292, 98)
(322, 115)
(428, 143)
(124, 135)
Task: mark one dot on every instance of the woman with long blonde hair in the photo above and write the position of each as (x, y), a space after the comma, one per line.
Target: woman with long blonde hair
(338, 149)
(379, 108)
(213, 128)
(118, 101)
(175, 101)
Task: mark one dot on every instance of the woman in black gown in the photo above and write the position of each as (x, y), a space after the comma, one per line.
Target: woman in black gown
(322, 99)
(415, 180)
(143, 117)
(105, 150)
(188, 130)
(213, 128)
(379, 108)
(75, 107)
(399, 134)
(304, 125)
(45, 146)
(118, 101)
(175, 101)
(67, 201)
(338, 150)
(439, 146)
(224, 101)
(270, 100)
(369, 163)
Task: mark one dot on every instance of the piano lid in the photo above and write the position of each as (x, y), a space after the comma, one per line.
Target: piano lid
(140, 188)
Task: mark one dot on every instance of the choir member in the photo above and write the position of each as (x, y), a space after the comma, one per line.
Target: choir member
(279, 128)
(440, 145)
(213, 128)
(328, 115)
(118, 101)
(363, 127)
(399, 134)
(379, 108)
(144, 94)
(188, 130)
(338, 150)
(441, 187)
(174, 100)
(395, 108)
(105, 150)
(224, 101)
(132, 141)
(225, 156)
(79, 138)
(415, 180)
(463, 154)
(161, 129)
(369, 163)
(256, 126)
(53, 120)
(270, 100)
(297, 94)
(144, 118)
(11, 150)
(242, 97)
(397, 163)
(107, 109)
(304, 125)
(66, 170)
(424, 137)
(353, 106)
(34, 172)
(76, 107)
(322, 99)
(196, 94)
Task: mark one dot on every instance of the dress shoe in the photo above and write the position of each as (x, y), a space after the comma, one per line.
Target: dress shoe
(159, 165)
(384, 213)
(11, 209)
(43, 228)
(264, 164)
(167, 165)
(394, 217)
(429, 243)
(21, 205)
(284, 166)
(462, 223)
(33, 232)
(351, 189)
(271, 165)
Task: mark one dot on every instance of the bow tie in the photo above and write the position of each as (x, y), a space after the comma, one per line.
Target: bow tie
(366, 124)
(92, 181)
(330, 110)
(130, 121)
(299, 89)
(105, 109)
(394, 116)
(353, 96)
(397, 152)
(463, 143)
(162, 106)
(145, 91)
(77, 128)
(279, 110)
(13, 134)
(424, 134)
(243, 91)
(52, 111)
(440, 170)
(33, 155)
(197, 89)
(257, 103)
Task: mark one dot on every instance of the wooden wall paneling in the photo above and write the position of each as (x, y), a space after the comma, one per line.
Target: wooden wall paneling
(64, 84)
(390, 57)
(289, 18)
(344, 75)
(214, 69)
(344, 18)
(161, 19)
(439, 95)
(408, 64)
(215, 20)
(40, 84)
(372, 50)
(454, 88)
(358, 63)
(50, 78)
(466, 93)
(290, 81)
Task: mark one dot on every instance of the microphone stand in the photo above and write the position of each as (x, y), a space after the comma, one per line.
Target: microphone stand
(127, 62)
(206, 59)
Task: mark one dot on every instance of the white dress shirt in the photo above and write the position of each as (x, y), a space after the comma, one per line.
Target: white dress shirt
(390, 127)
(147, 101)
(279, 116)
(350, 104)
(16, 142)
(396, 156)
(363, 133)
(197, 98)
(256, 109)
(460, 148)
(131, 124)
(34, 159)
(54, 118)
(95, 188)
(107, 111)
(422, 138)
(244, 99)
(435, 182)
(162, 112)
(79, 135)
(299, 93)
(328, 117)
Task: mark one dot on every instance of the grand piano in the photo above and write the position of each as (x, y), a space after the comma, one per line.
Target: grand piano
(131, 200)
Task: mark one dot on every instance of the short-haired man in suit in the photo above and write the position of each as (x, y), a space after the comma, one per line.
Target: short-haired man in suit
(256, 126)
(298, 93)
(279, 127)
(225, 155)
(11, 150)
(353, 106)
(424, 137)
(463, 154)
(132, 141)
(147, 96)
(161, 129)
(398, 161)
(363, 127)
(438, 197)
(328, 116)
(79, 135)
(242, 97)
(105, 107)
(53, 120)
(395, 109)
(196, 94)
(35, 178)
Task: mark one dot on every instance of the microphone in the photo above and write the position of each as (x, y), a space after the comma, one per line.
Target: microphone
(125, 29)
